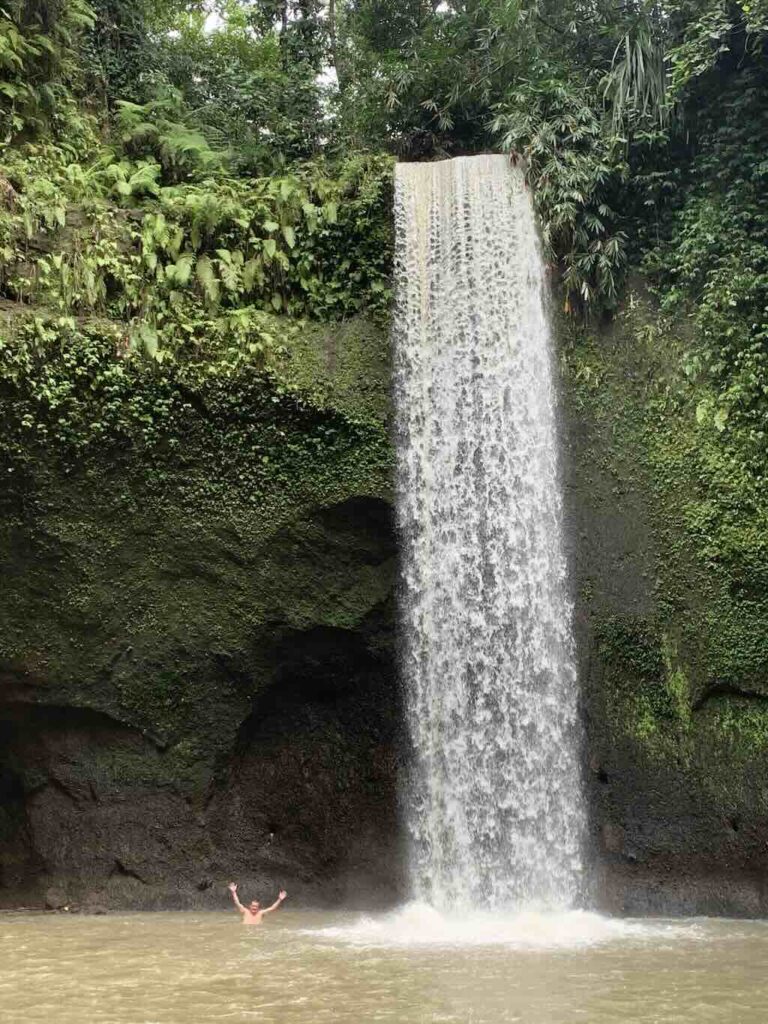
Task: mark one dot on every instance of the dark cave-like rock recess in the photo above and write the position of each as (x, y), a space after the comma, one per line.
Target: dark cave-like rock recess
(298, 786)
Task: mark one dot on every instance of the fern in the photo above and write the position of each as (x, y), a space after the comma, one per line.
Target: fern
(182, 270)
(38, 62)
(207, 279)
(130, 180)
(230, 269)
(151, 130)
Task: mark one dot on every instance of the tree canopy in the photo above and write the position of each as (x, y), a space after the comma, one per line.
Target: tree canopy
(642, 126)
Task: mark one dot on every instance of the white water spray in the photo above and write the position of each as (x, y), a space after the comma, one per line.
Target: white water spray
(495, 804)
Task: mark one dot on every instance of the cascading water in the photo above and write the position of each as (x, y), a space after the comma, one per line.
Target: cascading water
(495, 805)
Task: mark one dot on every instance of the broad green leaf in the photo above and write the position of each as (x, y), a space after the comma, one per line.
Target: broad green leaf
(206, 275)
(720, 419)
(149, 338)
(250, 272)
(183, 268)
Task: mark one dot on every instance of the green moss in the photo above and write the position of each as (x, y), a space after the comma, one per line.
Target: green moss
(113, 769)
(679, 683)
(632, 645)
(676, 682)
(741, 721)
(346, 365)
(164, 525)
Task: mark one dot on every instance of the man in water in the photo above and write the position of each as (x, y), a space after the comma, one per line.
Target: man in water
(253, 913)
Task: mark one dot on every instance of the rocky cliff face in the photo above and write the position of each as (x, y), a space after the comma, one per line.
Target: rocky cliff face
(672, 628)
(197, 677)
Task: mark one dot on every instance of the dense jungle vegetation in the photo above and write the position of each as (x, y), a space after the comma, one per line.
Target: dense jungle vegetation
(185, 185)
(180, 172)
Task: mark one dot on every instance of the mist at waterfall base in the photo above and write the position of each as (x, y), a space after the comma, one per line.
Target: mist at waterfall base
(494, 802)
(419, 925)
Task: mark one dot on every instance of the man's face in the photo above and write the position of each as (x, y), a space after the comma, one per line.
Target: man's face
(254, 906)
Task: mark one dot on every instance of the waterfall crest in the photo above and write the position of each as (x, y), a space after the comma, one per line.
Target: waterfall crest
(495, 807)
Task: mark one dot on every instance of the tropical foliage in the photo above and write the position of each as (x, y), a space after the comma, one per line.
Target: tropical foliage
(168, 162)
(185, 184)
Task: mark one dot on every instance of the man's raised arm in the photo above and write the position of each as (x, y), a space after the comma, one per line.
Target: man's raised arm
(233, 889)
(281, 896)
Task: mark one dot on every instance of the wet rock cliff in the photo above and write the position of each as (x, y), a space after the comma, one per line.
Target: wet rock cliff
(197, 672)
(196, 652)
(669, 568)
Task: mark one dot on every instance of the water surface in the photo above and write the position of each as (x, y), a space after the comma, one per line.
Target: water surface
(409, 967)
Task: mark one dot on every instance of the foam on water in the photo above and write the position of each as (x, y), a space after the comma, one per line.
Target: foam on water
(420, 925)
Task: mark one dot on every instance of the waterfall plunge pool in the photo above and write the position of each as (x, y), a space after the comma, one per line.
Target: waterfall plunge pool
(411, 966)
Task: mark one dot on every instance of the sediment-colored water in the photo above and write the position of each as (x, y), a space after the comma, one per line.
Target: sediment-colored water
(410, 967)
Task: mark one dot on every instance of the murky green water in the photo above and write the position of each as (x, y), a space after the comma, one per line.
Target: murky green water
(410, 967)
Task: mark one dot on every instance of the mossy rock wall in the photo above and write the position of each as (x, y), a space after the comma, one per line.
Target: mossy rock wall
(669, 552)
(196, 663)
(197, 670)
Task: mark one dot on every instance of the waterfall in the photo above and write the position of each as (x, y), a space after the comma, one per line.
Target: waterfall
(494, 802)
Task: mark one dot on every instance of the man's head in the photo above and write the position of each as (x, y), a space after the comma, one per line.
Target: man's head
(254, 906)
